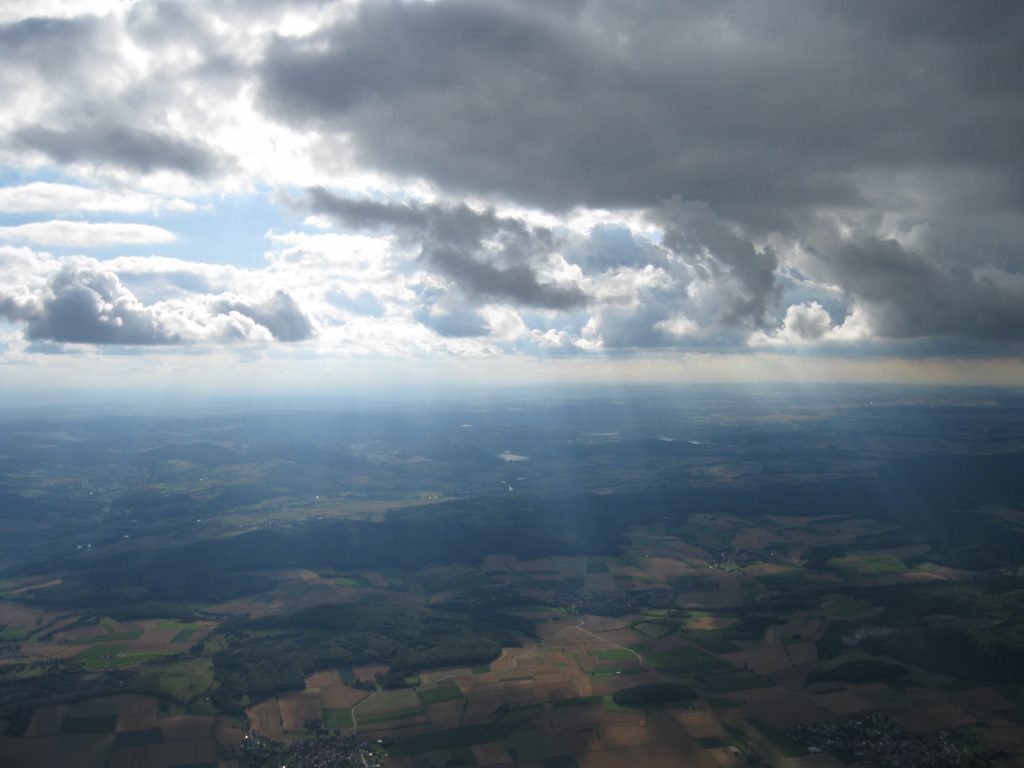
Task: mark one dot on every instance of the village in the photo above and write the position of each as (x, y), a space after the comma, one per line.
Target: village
(324, 750)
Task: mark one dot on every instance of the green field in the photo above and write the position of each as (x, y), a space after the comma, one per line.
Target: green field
(463, 737)
(868, 564)
(337, 718)
(681, 661)
(111, 637)
(183, 680)
(615, 655)
(437, 695)
(354, 582)
(112, 656)
(388, 716)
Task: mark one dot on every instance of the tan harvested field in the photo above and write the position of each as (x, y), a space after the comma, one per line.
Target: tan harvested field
(396, 728)
(491, 753)
(762, 659)
(375, 579)
(608, 640)
(726, 758)
(753, 695)
(524, 693)
(615, 736)
(767, 569)
(882, 698)
(756, 538)
(801, 653)
(811, 761)
(186, 728)
(559, 689)
(136, 712)
(810, 539)
(499, 562)
(323, 679)
(1005, 737)
(648, 756)
(46, 721)
(482, 701)
(599, 624)
(986, 699)
(663, 568)
(47, 753)
(687, 551)
(601, 582)
(265, 717)
(582, 729)
(612, 683)
(917, 720)
(165, 755)
(841, 702)
(570, 565)
(541, 565)
(369, 672)
(20, 615)
(788, 712)
(297, 709)
(700, 723)
(225, 731)
(937, 709)
(341, 696)
(711, 622)
(446, 714)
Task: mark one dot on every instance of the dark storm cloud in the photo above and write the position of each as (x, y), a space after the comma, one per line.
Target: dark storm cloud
(127, 146)
(730, 123)
(745, 275)
(910, 295)
(746, 106)
(487, 255)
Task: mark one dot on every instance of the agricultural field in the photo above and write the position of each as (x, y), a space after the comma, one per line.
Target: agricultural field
(713, 622)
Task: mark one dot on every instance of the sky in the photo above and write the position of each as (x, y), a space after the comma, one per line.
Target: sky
(309, 195)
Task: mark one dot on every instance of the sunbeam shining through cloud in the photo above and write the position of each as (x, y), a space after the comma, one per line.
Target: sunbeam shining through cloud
(564, 185)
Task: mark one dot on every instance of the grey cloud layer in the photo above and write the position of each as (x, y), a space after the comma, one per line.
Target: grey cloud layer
(736, 104)
(910, 295)
(455, 240)
(804, 171)
(734, 124)
(140, 149)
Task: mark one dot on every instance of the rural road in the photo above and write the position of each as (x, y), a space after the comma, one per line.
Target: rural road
(639, 658)
(355, 722)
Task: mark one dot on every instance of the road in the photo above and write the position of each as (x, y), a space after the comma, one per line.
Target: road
(355, 722)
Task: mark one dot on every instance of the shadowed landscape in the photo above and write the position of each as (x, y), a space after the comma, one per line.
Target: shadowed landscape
(763, 575)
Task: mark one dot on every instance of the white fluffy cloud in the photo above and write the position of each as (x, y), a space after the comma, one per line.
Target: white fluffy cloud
(85, 234)
(83, 301)
(50, 197)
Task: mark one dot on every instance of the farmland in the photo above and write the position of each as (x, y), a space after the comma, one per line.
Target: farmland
(420, 607)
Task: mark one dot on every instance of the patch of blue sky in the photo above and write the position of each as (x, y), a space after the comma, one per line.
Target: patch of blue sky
(227, 230)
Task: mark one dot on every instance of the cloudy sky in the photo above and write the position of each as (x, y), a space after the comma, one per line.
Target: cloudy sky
(321, 191)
